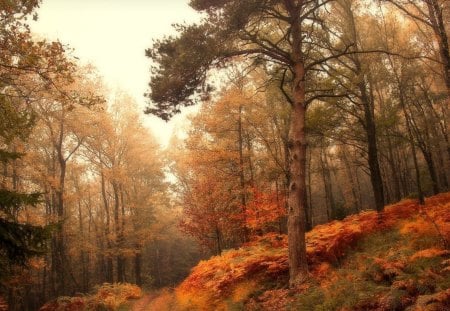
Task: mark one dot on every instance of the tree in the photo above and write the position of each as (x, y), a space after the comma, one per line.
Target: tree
(19, 240)
(214, 170)
(353, 74)
(61, 118)
(23, 64)
(432, 14)
(287, 34)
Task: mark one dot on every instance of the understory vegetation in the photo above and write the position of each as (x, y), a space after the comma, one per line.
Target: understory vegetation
(392, 261)
(116, 296)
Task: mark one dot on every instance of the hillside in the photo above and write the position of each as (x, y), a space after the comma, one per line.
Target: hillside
(396, 261)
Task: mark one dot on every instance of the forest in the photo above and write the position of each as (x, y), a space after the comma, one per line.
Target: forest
(317, 163)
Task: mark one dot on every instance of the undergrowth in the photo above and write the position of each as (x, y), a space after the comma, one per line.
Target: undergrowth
(378, 274)
(394, 261)
(105, 297)
(365, 262)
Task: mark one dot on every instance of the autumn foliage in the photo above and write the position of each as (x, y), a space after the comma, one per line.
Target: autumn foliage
(107, 297)
(264, 210)
(265, 259)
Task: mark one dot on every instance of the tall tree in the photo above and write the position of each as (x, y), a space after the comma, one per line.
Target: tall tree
(285, 33)
(26, 68)
(356, 78)
(433, 14)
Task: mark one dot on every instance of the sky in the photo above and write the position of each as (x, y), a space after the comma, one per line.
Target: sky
(112, 35)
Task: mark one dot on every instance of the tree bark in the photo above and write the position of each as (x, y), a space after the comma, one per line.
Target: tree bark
(297, 167)
(298, 269)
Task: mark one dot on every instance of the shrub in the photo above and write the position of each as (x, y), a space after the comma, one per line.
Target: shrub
(107, 297)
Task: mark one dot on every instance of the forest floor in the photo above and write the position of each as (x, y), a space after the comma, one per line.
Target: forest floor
(144, 303)
(398, 260)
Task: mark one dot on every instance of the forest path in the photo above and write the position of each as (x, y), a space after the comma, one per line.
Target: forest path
(143, 303)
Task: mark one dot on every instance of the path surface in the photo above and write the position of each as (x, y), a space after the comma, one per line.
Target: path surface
(143, 303)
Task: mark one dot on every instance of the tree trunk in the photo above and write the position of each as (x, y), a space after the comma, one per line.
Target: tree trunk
(309, 203)
(245, 233)
(138, 268)
(109, 263)
(118, 233)
(60, 241)
(84, 269)
(356, 202)
(297, 168)
(413, 146)
(250, 161)
(371, 135)
(394, 170)
(297, 198)
(431, 168)
(298, 265)
(367, 103)
(326, 177)
(218, 241)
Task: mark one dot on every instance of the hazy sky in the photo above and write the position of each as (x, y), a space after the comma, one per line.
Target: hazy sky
(113, 35)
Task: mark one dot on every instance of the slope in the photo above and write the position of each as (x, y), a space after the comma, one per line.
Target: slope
(392, 261)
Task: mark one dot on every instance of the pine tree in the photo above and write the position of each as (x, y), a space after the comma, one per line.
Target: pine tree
(18, 240)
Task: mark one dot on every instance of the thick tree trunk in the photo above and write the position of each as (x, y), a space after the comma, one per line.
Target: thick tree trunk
(297, 168)
(298, 265)
(297, 198)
